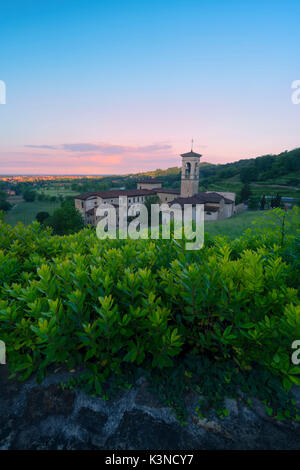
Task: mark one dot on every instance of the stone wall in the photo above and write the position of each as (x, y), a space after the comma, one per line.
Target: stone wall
(47, 417)
(240, 208)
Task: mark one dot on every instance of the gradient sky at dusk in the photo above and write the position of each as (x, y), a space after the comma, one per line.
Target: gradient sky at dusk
(102, 87)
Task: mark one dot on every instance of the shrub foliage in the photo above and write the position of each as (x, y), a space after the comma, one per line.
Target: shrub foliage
(219, 320)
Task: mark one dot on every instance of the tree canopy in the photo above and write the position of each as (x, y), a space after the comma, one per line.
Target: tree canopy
(65, 220)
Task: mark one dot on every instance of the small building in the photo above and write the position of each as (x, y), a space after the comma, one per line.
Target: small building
(216, 206)
(149, 183)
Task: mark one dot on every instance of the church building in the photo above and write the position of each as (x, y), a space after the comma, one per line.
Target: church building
(217, 205)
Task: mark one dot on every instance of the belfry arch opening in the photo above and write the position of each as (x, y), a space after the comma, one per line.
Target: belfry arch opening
(187, 170)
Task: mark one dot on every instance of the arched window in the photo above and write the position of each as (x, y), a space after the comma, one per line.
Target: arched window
(187, 170)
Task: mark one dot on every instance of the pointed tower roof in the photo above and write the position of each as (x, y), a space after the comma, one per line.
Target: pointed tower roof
(191, 154)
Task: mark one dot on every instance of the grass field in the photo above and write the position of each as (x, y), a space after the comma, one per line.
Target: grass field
(233, 227)
(257, 189)
(25, 212)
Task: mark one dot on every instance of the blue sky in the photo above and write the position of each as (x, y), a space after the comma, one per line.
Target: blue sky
(119, 86)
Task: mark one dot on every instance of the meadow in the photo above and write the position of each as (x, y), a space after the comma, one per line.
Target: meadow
(235, 225)
(25, 212)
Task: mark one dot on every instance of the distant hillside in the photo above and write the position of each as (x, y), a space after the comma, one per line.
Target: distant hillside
(282, 169)
(156, 173)
(169, 171)
(266, 167)
(171, 176)
(260, 169)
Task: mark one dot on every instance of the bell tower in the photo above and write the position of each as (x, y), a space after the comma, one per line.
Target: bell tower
(190, 174)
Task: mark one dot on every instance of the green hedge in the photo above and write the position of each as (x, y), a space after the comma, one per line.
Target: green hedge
(225, 315)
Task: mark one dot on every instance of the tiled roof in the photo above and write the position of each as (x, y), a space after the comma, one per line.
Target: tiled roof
(194, 200)
(85, 195)
(168, 191)
(150, 181)
(210, 197)
(116, 193)
(191, 154)
(213, 197)
(199, 198)
(187, 200)
(202, 198)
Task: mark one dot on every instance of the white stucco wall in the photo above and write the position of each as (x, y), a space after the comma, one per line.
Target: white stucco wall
(228, 210)
(167, 197)
(211, 216)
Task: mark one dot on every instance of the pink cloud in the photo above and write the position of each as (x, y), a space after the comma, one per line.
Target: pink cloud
(89, 158)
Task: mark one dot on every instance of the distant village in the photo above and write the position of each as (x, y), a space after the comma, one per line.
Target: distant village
(36, 178)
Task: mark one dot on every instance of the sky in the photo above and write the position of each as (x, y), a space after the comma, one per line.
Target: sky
(120, 86)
